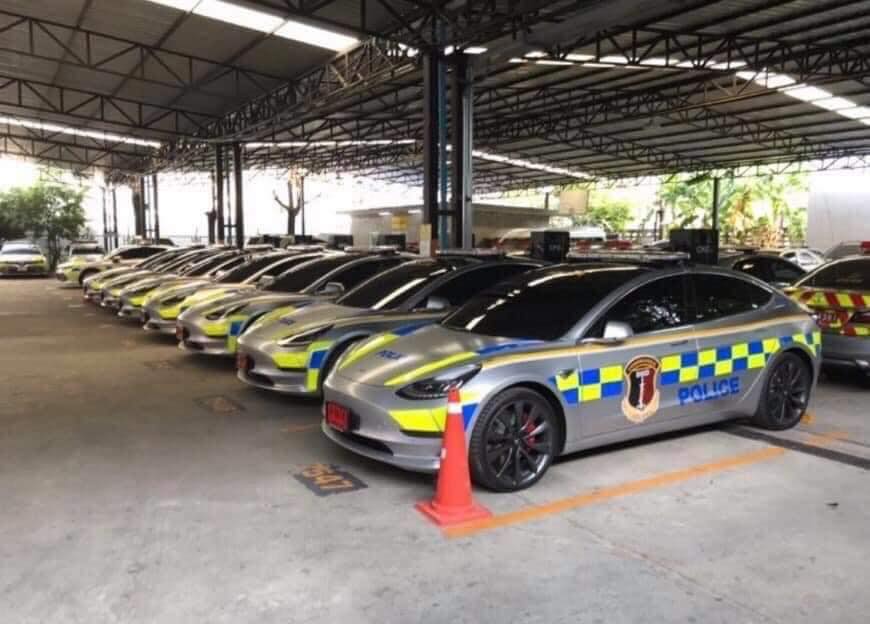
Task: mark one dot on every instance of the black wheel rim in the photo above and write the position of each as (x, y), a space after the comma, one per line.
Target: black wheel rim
(787, 392)
(519, 443)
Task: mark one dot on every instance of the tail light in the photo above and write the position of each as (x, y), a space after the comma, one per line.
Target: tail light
(865, 247)
(861, 318)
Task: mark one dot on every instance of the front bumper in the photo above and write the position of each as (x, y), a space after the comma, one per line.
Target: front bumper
(194, 339)
(108, 300)
(129, 310)
(153, 322)
(262, 372)
(374, 433)
(846, 351)
(40, 270)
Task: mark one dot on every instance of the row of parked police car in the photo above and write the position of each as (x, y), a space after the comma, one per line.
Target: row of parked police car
(549, 357)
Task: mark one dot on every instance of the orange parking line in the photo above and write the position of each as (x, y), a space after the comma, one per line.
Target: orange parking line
(824, 439)
(808, 418)
(633, 487)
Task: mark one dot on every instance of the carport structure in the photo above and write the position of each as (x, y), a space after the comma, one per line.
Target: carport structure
(532, 93)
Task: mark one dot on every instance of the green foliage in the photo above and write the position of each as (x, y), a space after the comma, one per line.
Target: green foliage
(611, 213)
(47, 208)
(690, 200)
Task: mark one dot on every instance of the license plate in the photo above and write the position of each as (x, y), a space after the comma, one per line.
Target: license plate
(338, 417)
(827, 317)
(179, 332)
(242, 362)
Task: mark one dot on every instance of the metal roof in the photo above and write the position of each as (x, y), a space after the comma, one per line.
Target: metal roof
(617, 88)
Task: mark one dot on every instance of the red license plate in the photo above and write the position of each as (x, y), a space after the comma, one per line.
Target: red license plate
(338, 417)
(827, 317)
(242, 362)
(179, 330)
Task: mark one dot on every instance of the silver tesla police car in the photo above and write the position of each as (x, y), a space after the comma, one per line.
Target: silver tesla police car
(575, 356)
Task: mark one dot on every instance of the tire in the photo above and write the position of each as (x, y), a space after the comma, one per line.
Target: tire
(785, 395)
(504, 456)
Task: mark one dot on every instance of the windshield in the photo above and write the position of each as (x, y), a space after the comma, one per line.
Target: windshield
(846, 275)
(392, 288)
(22, 249)
(86, 251)
(207, 264)
(540, 305)
(248, 269)
(303, 275)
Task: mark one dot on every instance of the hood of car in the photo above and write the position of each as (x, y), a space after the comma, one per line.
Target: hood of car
(128, 279)
(297, 320)
(397, 358)
(176, 288)
(212, 293)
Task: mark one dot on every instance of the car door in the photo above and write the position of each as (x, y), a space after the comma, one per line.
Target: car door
(633, 384)
(731, 350)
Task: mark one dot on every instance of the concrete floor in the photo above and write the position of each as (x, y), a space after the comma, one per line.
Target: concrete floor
(126, 498)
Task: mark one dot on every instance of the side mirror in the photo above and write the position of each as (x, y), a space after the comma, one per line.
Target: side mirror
(437, 303)
(332, 289)
(265, 281)
(615, 332)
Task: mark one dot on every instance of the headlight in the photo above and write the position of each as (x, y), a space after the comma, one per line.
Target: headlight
(304, 338)
(439, 386)
(224, 311)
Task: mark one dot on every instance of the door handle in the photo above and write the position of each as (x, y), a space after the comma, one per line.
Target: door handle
(680, 343)
(566, 372)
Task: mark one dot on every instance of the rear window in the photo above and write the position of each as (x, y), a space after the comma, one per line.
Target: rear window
(846, 275)
(540, 305)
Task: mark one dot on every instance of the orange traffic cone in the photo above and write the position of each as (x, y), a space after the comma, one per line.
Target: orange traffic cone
(453, 503)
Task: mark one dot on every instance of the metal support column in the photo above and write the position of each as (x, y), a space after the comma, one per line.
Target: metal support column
(238, 167)
(461, 110)
(219, 192)
(430, 152)
(715, 218)
(444, 224)
(105, 222)
(115, 216)
(302, 202)
(140, 209)
(155, 206)
(211, 214)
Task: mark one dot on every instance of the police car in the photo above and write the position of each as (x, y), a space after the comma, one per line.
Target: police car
(838, 294)
(575, 356)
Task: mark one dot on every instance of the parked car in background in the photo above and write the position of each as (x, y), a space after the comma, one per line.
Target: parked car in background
(838, 294)
(847, 248)
(770, 268)
(22, 258)
(74, 270)
(806, 258)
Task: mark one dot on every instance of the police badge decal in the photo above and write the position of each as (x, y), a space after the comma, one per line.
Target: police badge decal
(642, 388)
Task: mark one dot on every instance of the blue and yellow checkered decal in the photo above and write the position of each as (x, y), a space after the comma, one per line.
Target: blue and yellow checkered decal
(607, 382)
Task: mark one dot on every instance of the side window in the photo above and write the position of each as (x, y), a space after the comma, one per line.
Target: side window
(785, 272)
(718, 296)
(658, 305)
(756, 267)
(848, 275)
(463, 287)
(355, 275)
(134, 253)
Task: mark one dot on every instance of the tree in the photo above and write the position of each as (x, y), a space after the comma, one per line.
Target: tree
(611, 213)
(47, 208)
